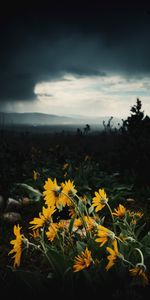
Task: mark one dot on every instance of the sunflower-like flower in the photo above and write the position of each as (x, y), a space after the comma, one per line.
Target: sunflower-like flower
(71, 211)
(52, 193)
(90, 222)
(100, 200)
(44, 217)
(68, 190)
(104, 235)
(17, 245)
(83, 198)
(120, 211)
(35, 234)
(64, 224)
(114, 253)
(82, 261)
(139, 271)
(135, 216)
(52, 231)
(78, 222)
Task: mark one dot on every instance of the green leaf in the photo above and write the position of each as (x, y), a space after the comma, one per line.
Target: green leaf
(139, 230)
(80, 246)
(146, 240)
(71, 224)
(33, 194)
(91, 208)
(81, 206)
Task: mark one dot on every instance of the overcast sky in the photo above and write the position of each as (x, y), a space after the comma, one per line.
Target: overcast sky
(64, 59)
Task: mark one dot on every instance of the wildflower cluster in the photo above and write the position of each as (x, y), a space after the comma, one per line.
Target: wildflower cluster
(84, 239)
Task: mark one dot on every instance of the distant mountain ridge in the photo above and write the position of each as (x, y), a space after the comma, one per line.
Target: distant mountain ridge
(36, 119)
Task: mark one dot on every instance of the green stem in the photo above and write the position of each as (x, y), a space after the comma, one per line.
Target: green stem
(114, 227)
(33, 245)
(141, 255)
(129, 229)
(80, 214)
(84, 205)
(43, 251)
(88, 232)
(128, 262)
(48, 258)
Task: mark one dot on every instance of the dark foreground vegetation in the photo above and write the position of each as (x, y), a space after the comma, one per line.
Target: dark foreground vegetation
(117, 160)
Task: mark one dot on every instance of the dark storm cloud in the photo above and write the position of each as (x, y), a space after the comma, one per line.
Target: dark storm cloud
(41, 43)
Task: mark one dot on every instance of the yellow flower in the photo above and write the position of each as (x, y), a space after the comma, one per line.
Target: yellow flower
(35, 233)
(135, 216)
(17, 245)
(104, 234)
(43, 217)
(64, 224)
(82, 261)
(100, 200)
(83, 198)
(120, 212)
(52, 193)
(138, 214)
(90, 222)
(71, 211)
(52, 231)
(140, 271)
(113, 255)
(69, 188)
(77, 222)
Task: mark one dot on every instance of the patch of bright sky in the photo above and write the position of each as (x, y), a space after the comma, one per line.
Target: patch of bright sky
(111, 95)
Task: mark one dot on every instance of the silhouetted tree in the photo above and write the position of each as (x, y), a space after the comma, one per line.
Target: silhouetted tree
(135, 144)
(133, 123)
(87, 129)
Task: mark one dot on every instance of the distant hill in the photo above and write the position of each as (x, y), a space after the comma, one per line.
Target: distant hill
(36, 119)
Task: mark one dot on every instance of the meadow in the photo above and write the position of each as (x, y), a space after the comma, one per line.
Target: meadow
(74, 210)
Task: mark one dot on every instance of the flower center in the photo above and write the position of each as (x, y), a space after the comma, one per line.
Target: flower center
(57, 191)
(111, 235)
(103, 201)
